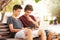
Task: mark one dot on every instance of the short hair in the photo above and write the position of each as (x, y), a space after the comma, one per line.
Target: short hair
(15, 7)
(28, 7)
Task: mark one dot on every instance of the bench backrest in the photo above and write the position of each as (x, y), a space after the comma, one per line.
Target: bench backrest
(4, 30)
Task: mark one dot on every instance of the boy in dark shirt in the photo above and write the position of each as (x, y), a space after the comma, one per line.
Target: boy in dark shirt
(29, 20)
(16, 26)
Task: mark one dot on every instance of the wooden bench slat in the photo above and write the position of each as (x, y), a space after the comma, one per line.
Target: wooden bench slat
(3, 30)
(4, 26)
(3, 23)
(8, 36)
(3, 33)
(13, 39)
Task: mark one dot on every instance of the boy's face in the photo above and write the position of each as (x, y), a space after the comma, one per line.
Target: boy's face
(28, 12)
(17, 12)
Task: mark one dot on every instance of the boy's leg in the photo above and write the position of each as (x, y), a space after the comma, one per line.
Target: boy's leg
(42, 35)
(28, 33)
(50, 34)
(25, 34)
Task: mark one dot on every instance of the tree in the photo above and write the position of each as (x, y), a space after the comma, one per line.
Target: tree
(10, 5)
(3, 3)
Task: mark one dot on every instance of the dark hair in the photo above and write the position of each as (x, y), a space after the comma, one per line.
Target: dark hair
(28, 7)
(15, 7)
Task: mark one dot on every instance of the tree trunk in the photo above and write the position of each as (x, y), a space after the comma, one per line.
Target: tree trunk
(2, 17)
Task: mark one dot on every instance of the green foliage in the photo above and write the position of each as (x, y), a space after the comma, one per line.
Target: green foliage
(58, 19)
(37, 1)
(10, 5)
(51, 22)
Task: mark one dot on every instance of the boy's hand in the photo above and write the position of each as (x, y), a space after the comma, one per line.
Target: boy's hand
(29, 18)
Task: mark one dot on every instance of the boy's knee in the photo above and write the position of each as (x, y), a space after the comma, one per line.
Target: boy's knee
(51, 33)
(41, 32)
(28, 31)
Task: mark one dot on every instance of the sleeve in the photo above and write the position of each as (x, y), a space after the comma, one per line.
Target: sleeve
(9, 21)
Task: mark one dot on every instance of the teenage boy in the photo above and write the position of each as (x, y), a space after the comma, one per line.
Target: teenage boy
(16, 26)
(30, 22)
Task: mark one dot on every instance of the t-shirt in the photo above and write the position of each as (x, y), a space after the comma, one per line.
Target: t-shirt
(26, 22)
(17, 24)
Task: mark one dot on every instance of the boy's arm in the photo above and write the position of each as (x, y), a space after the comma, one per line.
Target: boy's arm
(34, 22)
(12, 29)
